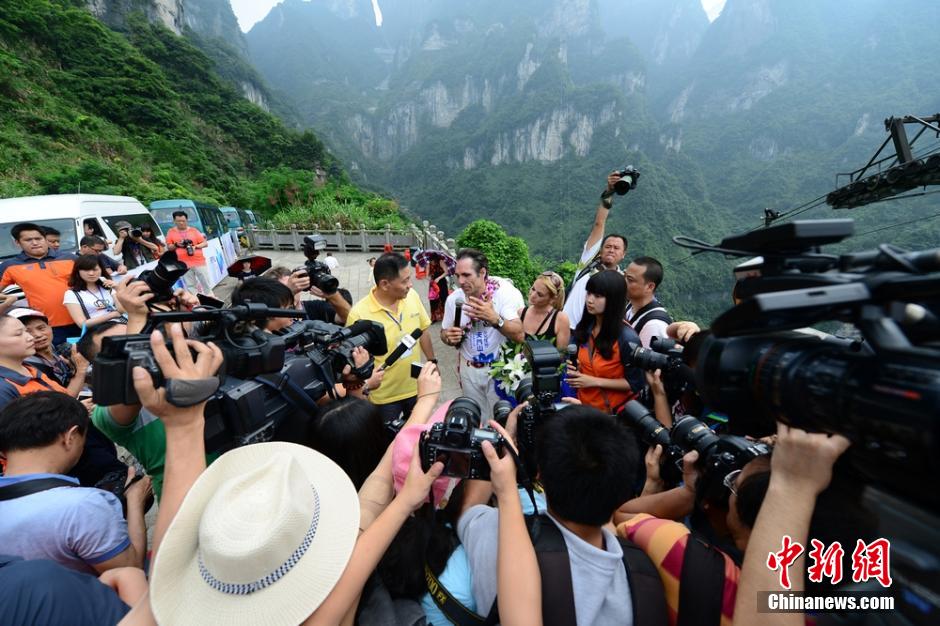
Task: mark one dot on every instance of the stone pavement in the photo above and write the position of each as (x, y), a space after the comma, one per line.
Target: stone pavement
(355, 274)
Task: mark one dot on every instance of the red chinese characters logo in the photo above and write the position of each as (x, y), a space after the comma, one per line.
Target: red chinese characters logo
(782, 560)
(826, 562)
(872, 560)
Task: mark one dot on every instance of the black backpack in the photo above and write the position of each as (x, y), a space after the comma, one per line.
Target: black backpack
(652, 311)
(646, 587)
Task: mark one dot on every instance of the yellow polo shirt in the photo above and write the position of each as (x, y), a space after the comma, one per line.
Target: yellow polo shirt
(409, 315)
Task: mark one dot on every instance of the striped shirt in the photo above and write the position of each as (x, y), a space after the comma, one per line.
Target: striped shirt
(664, 542)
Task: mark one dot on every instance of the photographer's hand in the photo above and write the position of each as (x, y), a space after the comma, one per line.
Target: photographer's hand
(502, 469)
(660, 400)
(298, 281)
(133, 296)
(802, 462)
(654, 482)
(801, 468)
(187, 300)
(184, 426)
(429, 382)
(682, 331)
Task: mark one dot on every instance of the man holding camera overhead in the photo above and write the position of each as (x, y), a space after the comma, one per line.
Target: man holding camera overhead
(600, 254)
(188, 244)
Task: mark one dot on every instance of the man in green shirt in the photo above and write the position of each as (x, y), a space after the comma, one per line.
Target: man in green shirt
(142, 434)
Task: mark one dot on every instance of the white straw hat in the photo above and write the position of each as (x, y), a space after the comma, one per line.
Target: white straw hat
(261, 538)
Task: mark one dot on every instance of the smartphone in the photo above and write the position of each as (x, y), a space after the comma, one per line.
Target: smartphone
(416, 369)
(209, 301)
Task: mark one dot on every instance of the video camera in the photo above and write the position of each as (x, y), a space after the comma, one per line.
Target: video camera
(457, 441)
(319, 272)
(271, 382)
(881, 392)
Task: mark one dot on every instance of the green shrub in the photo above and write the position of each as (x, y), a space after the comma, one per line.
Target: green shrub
(508, 256)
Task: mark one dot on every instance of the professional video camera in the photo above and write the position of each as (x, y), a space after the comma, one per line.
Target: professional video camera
(163, 276)
(628, 179)
(266, 392)
(319, 272)
(882, 392)
(457, 441)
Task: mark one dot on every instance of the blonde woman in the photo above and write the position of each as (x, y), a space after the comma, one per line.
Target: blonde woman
(544, 318)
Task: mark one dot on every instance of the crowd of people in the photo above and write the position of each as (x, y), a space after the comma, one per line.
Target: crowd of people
(343, 521)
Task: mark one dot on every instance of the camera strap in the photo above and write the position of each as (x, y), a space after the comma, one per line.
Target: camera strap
(29, 487)
(452, 608)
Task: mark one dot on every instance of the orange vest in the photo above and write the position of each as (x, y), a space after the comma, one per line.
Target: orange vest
(592, 363)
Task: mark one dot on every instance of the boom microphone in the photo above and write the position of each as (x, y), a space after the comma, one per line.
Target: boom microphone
(407, 343)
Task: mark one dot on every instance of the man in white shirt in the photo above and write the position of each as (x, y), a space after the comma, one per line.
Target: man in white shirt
(330, 261)
(489, 316)
(612, 249)
(644, 312)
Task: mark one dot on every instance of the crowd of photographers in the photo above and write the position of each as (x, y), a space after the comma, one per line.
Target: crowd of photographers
(306, 471)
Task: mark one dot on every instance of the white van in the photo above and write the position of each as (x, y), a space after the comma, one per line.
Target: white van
(70, 214)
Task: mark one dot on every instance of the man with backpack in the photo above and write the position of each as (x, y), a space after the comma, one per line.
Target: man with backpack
(587, 464)
(644, 312)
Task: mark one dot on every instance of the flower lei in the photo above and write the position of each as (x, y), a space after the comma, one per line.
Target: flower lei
(491, 287)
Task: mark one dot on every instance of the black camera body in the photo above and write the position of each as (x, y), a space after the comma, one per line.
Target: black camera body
(628, 178)
(457, 442)
(718, 455)
(163, 276)
(540, 390)
(319, 272)
(137, 233)
(112, 375)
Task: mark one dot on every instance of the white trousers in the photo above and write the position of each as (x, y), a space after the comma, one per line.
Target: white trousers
(477, 384)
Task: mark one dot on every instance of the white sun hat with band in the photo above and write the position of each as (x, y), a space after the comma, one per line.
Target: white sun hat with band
(261, 538)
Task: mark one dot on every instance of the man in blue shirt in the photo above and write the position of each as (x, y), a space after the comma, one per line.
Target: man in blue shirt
(45, 514)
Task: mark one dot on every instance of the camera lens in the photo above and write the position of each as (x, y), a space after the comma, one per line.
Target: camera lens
(524, 390)
(691, 434)
(647, 427)
(649, 360)
(462, 415)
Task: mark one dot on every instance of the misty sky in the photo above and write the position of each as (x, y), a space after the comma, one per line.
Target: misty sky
(249, 12)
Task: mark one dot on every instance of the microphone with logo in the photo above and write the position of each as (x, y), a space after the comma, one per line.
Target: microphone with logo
(407, 343)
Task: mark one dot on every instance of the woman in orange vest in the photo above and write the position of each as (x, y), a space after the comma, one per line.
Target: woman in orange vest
(604, 378)
(17, 378)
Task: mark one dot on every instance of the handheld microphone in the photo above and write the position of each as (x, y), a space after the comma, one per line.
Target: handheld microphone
(458, 312)
(407, 343)
(573, 355)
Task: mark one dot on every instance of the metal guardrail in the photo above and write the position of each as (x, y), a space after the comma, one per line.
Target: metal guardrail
(426, 237)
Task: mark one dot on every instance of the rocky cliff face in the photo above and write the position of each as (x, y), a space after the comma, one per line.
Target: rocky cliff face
(170, 13)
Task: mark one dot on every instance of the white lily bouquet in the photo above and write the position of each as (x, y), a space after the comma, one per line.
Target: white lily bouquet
(510, 369)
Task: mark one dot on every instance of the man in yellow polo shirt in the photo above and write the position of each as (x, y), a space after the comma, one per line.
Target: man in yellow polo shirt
(398, 308)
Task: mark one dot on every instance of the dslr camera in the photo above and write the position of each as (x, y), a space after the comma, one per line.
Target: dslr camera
(667, 356)
(457, 442)
(628, 178)
(136, 233)
(163, 276)
(189, 245)
(319, 273)
(538, 389)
